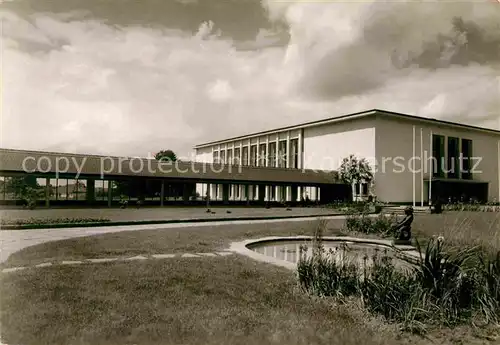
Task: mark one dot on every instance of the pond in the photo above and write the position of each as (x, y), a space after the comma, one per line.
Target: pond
(359, 253)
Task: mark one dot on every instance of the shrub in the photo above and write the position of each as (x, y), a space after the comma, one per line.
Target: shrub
(394, 294)
(29, 195)
(325, 275)
(360, 222)
(490, 297)
(449, 280)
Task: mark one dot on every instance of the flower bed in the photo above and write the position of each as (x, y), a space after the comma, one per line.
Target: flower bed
(50, 221)
(472, 207)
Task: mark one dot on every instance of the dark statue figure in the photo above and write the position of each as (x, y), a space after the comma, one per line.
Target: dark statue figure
(403, 228)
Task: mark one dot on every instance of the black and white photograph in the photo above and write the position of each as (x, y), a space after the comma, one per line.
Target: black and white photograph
(240, 172)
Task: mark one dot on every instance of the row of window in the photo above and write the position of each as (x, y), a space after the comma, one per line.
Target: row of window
(258, 155)
(252, 190)
(457, 163)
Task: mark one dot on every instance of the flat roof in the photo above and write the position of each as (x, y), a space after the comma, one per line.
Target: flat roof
(68, 165)
(346, 117)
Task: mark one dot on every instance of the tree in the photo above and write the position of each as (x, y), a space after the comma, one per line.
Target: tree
(25, 188)
(166, 155)
(18, 185)
(355, 170)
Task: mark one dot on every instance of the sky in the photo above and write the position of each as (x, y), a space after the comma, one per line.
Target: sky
(128, 77)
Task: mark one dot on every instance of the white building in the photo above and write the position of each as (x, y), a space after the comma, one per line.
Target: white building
(405, 152)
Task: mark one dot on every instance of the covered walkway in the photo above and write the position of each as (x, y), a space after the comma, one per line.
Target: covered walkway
(65, 179)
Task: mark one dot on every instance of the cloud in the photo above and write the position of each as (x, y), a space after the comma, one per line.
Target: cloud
(220, 91)
(76, 83)
(410, 52)
(124, 90)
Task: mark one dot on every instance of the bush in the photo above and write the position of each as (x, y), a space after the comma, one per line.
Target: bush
(351, 206)
(360, 222)
(29, 195)
(394, 294)
(325, 275)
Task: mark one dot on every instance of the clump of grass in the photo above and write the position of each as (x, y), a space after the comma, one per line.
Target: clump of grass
(324, 275)
(394, 294)
(446, 287)
(490, 282)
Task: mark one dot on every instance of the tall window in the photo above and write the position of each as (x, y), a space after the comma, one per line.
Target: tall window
(215, 156)
(466, 159)
(272, 155)
(262, 155)
(244, 155)
(294, 153)
(282, 154)
(236, 159)
(253, 155)
(453, 158)
(364, 189)
(357, 189)
(222, 156)
(438, 155)
(230, 156)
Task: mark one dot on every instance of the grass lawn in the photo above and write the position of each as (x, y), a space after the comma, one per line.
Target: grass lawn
(170, 240)
(228, 300)
(461, 228)
(223, 300)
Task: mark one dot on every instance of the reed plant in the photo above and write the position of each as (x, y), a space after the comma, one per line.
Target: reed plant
(448, 286)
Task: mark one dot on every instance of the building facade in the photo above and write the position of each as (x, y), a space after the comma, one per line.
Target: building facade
(414, 159)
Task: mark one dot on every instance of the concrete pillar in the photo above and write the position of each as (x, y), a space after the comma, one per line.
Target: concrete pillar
(317, 194)
(90, 194)
(240, 158)
(249, 145)
(287, 149)
(225, 193)
(288, 193)
(268, 163)
(278, 159)
(185, 193)
(207, 196)
(294, 192)
(261, 193)
(247, 194)
(213, 191)
(301, 149)
(110, 194)
(162, 193)
(47, 192)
